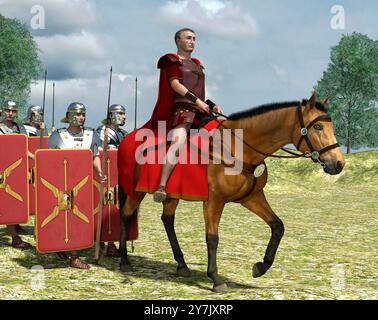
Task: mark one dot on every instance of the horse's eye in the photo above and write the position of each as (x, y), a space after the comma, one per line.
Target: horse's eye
(318, 127)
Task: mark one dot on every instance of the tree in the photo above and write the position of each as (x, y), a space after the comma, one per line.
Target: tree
(351, 83)
(19, 62)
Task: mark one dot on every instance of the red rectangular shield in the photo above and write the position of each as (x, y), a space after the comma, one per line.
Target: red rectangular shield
(110, 227)
(14, 192)
(34, 143)
(64, 200)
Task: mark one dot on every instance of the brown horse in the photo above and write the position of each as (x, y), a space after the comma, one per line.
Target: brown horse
(266, 129)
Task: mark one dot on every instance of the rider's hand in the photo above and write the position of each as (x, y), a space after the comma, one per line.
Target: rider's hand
(203, 107)
(218, 109)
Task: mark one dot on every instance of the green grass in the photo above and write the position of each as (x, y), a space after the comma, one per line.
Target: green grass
(329, 250)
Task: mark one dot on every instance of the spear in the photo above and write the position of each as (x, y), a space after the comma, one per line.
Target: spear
(42, 128)
(53, 110)
(103, 166)
(136, 102)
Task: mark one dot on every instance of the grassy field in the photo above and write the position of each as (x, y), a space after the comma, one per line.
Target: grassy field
(329, 250)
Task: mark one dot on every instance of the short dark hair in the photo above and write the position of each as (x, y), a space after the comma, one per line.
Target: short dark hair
(178, 33)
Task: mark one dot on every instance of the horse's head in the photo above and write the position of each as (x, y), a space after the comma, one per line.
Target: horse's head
(314, 135)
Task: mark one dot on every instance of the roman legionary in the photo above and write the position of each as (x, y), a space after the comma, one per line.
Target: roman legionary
(76, 136)
(117, 116)
(34, 120)
(9, 125)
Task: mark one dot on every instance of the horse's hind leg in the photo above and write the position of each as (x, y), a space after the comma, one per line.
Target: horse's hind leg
(168, 218)
(259, 205)
(212, 214)
(127, 210)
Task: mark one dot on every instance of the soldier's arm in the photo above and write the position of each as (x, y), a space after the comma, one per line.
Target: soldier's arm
(178, 87)
(31, 156)
(96, 143)
(98, 169)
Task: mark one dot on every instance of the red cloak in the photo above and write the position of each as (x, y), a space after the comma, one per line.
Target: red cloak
(169, 68)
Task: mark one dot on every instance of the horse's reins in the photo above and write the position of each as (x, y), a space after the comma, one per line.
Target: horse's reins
(313, 154)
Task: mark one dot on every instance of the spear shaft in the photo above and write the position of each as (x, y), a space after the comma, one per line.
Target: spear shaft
(53, 109)
(103, 168)
(42, 128)
(136, 103)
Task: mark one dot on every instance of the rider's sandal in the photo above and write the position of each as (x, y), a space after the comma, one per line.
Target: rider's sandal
(160, 195)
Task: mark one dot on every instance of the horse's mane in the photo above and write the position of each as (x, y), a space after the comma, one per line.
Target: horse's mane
(271, 107)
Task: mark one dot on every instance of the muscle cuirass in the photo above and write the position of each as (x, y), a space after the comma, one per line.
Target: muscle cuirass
(193, 78)
(17, 128)
(62, 139)
(114, 138)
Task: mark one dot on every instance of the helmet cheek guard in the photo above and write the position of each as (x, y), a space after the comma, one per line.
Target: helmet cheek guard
(115, 118)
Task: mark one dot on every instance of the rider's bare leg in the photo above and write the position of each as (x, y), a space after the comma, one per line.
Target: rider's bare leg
(179, 135)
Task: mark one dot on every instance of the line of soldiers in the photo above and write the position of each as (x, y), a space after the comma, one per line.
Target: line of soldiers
(75, 136)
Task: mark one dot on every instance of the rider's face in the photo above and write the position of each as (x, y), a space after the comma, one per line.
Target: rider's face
(187, 41)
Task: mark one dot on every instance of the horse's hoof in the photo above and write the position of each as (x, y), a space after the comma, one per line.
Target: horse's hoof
(183, 272)
(256, 270)
(222, 288)
(126, 267)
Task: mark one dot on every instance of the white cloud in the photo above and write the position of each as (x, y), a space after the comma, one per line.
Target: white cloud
(80, 44)
(92, 92)
(216, 17)
(280, 73)
(67, 56)
(61, 16)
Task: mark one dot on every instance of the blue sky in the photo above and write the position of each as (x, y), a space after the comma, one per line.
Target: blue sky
(254, 52)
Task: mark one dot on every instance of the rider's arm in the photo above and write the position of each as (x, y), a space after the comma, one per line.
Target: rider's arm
(182, 90)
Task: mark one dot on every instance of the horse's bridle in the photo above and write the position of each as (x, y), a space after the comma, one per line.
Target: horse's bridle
(312, 153)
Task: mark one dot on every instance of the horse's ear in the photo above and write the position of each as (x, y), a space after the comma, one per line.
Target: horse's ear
(325, 101)
(312, 101)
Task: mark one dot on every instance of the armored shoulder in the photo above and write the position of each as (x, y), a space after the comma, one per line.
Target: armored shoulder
(198, 62)
(31, 131)
(55, 141)
(88, 129)
(123, 132)
(168, 60)
(100, 128)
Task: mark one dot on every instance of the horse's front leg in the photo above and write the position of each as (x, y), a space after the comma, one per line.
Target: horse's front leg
(126, 212)
(168, 218)
(259, 205)
(212, 213)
